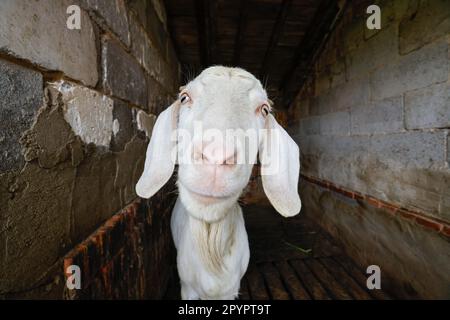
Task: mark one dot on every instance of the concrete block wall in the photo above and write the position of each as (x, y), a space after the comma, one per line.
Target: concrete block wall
(76, 112)
(373, 118)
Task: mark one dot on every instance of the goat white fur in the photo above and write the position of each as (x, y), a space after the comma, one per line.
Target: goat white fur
(207, 223)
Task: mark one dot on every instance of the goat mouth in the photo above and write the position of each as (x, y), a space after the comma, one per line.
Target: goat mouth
(207, 198)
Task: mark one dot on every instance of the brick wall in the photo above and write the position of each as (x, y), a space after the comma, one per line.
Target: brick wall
(373, 119)
(76, 110)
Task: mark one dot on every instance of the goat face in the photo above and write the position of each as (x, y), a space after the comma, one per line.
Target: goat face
(217, 126)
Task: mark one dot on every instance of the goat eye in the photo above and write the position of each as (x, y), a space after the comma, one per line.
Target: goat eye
(265, 110)
(184, 98)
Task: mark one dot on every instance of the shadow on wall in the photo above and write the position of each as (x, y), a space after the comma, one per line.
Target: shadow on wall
(77, 108)
(372, 125)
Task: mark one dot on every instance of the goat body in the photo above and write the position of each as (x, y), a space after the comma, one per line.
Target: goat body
(212, 256)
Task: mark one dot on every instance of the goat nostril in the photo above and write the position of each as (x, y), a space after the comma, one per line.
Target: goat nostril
(214, 156)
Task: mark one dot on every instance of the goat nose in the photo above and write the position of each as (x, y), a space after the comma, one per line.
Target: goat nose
(216, 155)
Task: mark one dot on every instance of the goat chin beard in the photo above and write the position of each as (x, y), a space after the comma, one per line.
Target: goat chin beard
(208, 209)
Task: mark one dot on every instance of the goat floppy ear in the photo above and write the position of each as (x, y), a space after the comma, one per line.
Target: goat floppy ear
(160, 158)
(280, 168)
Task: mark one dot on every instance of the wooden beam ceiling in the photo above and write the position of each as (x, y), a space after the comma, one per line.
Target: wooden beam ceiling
(239, 41)
(206, 15)
(301, 63)
(275, 36)
(200, 18)
(274, 39)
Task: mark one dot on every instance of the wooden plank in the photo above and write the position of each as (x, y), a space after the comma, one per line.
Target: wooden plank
(360, 277)
(291, 281)
(328, 280)
(244, 293)
(275, 285)
(345, 279)
(275, 35)
(211, 30)
(239, 42)
(256, 284)
(325, 247)
(201, 29)
(312, 284)
(206, 15)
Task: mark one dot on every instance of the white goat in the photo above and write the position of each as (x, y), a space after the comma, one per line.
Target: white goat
(207, 222)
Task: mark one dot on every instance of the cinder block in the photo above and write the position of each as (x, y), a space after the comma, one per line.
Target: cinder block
(418, 69)
(143, 49)
(42, 144)
(338, 71)
(89, 113)
(160, 11)
(380, 116)
(302, 107)
(144, 121)
(351, 93)
(429, 22)
(139, 8)
(156, 96)
(309, 126)
(172, 57)
(123, 125)
(123, 77)
(334, 146)
(155, 27)
(448, 154)
(26, 32)
(21, 92)
(400, 150)
(168, 77)
(111, 15)
(408, 168)
(353, 34)
(411, 149)
(333, 157)
(127, 177)
(428, 107)
(341, 97)
(379, 50)
(392, 11)
(322, 81)
(336, 123)
(91, 193)
(149, 18)
(323, 61)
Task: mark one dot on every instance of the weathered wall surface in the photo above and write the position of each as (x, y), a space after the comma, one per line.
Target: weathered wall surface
(76, 111)
(374, 118)
(128, 256)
